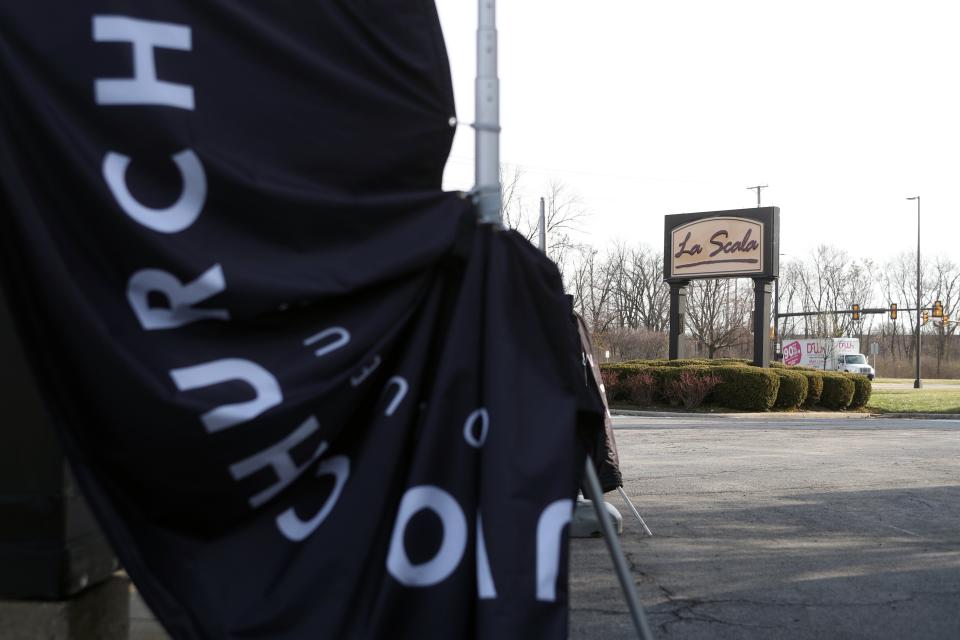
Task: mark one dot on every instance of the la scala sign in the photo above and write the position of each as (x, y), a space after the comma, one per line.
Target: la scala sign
(727, 244)
(741, 243)
(721, 244)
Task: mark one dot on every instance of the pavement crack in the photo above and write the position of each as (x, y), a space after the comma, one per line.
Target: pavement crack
(606, 612)
(686, 612)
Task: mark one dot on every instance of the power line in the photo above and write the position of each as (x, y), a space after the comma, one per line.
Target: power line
(535, 169)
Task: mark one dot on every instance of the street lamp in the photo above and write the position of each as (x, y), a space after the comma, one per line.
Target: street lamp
(916, 383)
(776, 312)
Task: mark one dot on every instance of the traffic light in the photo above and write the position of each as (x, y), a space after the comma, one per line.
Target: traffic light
(926, 316)
(856, 312)
(893, 310)
(937, 309)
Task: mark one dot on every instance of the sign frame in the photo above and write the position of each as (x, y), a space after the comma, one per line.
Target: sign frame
(767, 217)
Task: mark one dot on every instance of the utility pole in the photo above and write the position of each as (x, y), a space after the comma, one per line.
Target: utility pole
(543, 226)
(759, 187)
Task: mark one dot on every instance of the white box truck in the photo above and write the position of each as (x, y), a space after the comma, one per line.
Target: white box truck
(830, 354)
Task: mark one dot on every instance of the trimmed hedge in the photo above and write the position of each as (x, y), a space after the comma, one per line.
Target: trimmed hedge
(814, 386)
(665, 375)
(862, 390)
(671, 380)
(749, 388)
(625, 384)
(742, 386)
(640, 388)
(612, 386)
(683, 362)
(814, 381)
(837, 390)
(623, 370)
(746, 387)
(793, 389)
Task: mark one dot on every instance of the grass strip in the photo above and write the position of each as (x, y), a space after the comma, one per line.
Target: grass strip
(915, 401)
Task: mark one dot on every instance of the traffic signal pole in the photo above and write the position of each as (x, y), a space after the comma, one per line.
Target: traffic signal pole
(871, 310)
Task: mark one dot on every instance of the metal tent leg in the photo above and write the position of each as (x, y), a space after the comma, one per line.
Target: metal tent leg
(623, 494)
(616, 555)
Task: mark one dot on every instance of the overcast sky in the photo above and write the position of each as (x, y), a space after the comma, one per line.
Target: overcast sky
(649, 108)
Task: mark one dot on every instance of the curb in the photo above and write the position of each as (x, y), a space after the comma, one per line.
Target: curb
(804, 415)
(753, 415)
(927, 416)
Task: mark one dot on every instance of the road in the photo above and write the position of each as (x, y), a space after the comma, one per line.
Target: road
(782, 527)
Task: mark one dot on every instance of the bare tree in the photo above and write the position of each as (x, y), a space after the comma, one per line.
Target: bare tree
(790, 290)
(718, 313)
(651, 295)
(632, 344)
(621, 291)
(899, 282)
(640, 296)
(832, 282)
(564, 213)
(511, 198)
(621, 299)
(945, 278)
(591, 284)
(893, 283)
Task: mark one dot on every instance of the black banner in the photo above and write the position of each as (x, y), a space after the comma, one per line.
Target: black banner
(305, 394)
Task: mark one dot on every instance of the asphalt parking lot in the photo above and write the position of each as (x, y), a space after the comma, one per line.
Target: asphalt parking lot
(782, 527)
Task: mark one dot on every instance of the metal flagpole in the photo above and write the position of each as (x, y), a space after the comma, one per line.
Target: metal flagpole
(487, 193)
(487, 117)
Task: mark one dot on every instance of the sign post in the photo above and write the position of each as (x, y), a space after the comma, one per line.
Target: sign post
(723, 244)
(762, 288)
(678, 310)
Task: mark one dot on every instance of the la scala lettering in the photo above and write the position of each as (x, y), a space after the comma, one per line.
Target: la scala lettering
(745, 245)
(694, 250)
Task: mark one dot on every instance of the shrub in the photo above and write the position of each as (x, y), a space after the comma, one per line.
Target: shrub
(690, 388)
(662, 377)
(640, 388)
(612, 386)
(665, 377)
(837, 390)
(749, 388)
(793, 389)
(723, 361)
(861, 391)
(814, 386)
